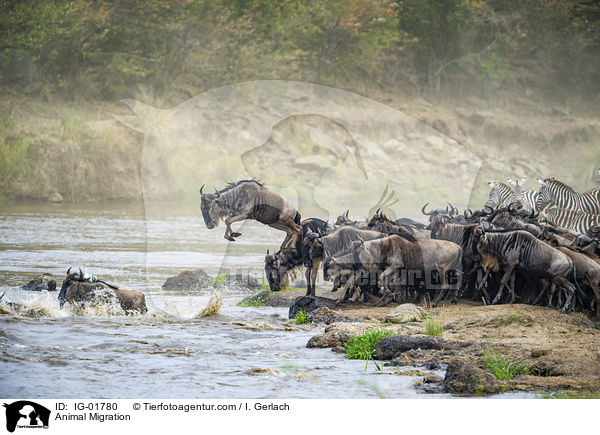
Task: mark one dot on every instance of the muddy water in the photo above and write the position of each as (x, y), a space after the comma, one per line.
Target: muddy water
(169, 352)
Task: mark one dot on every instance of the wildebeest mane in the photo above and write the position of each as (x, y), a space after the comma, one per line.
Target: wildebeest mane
(233, 184)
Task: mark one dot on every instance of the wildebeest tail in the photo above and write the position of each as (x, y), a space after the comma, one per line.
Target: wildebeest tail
(579, 289)
(297, 219)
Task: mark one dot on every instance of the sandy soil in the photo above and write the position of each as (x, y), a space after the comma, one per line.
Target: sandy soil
(563, 350)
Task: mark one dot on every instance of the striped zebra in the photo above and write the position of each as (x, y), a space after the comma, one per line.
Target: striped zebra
(500, 195)
(563, 196)
(527, 198)
(571, 220)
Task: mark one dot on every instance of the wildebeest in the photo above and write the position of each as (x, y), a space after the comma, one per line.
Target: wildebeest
(319, 247)
(77, 288)
(380, 222)
(249, 199)
(587, 273)
(521, 251)
(392, 255)
(342, 269)
(287, 260)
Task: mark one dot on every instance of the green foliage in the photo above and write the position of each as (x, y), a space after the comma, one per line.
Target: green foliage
(102, 48)
(434, 326)
(363, 346)
(501, 367)
(514, 318)
(302, 317)
(219, 280)
(252, 302)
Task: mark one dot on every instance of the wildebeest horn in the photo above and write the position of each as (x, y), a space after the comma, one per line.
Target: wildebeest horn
(216, 191)
(424, 212)
(68, 270)
(491, 210)
(80, 273)
(346, 213)
(470, 214)
(267, 252)
(201, 189)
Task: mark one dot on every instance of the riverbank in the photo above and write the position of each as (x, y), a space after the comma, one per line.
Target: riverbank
(556, 352)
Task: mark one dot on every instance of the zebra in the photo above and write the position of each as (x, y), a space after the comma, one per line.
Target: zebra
(527, 198)
(500, 195)
(563, 196)
(578, 221)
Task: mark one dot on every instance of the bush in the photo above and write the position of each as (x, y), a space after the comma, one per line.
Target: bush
(363, 346)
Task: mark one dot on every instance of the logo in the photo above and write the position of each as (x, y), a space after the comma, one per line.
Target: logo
(26, 414)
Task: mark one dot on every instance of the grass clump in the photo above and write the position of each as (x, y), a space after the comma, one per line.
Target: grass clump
(434, 326)
(302, 317)
(514, 318)
(363, 346)
(252, 302)
(502, 367)
(219, 279)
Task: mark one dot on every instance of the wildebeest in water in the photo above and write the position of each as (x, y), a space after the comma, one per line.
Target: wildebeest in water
(249, 199)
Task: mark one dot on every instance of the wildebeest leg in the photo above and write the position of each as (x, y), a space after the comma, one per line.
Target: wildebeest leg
(384, 285)
(482, 283)
(347, 287)
(507, 275)
(570, 289)
(552, 291)
(512, 288)
(541, 293)
(289, 233)
(229, 235)
(311, 279)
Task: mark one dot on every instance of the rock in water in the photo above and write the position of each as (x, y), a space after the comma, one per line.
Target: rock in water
(466, 379)
(45, 281)
(391, 347)
(309, 304)
(405, 313)
(188, 280)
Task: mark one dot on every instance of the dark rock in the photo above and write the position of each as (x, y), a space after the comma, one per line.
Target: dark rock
(432, 364)
(189, 280)
(432, 379)
(544, 367)
(309, 304)
(466, 379)
(338, 349)
(390, 347)
(45, 281)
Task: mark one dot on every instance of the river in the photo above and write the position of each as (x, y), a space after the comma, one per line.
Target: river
(169, 352)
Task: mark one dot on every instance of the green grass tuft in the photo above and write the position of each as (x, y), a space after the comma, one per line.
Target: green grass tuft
(302, 317)
(434, 326)
(252, 302)
(502, 367)
(219, 279)
(514, 318)
(363, 346)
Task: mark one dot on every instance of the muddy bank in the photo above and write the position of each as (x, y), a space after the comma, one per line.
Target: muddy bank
(561, 352)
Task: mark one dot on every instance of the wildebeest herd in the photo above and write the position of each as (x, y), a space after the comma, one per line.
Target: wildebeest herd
(536, 247)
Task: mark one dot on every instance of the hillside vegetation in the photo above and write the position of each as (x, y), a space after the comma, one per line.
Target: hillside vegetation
(509, 64)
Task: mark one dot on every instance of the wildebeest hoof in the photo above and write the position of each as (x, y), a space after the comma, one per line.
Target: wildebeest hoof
(231, 239)
(236, 234)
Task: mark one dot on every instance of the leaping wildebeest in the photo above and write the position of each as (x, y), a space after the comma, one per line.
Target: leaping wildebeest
(249, 199)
